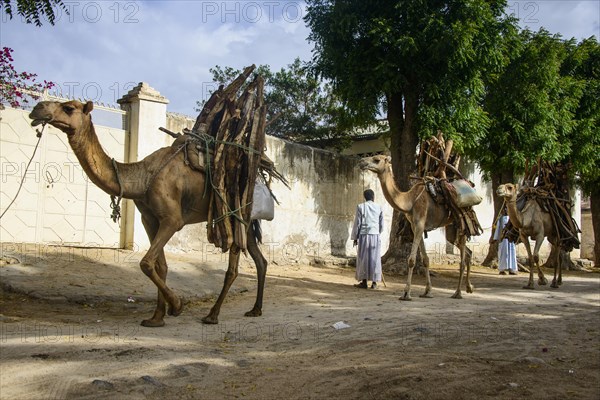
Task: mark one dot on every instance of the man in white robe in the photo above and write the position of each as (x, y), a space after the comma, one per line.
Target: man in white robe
(507, 256)
(366, 233)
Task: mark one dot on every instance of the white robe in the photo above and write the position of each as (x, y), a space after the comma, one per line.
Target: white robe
(507, 256)
(367, 228)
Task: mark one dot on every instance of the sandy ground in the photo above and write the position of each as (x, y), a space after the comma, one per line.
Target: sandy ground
(500, 342)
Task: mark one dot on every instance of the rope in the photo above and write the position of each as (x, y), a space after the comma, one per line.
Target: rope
(207, 140)
(115, 204)
(39, 136)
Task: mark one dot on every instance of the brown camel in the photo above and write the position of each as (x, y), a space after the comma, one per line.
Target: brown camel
(424, 214)
(167, 193)
(532, 222)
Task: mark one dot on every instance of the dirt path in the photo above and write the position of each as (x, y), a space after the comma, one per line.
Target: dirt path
(501, 342)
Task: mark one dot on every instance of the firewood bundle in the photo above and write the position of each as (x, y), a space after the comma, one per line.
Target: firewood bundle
(548, 184)
(436, 159)
(437, 168)
(227, 143)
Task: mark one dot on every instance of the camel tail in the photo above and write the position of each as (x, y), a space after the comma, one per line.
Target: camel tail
(256, 230)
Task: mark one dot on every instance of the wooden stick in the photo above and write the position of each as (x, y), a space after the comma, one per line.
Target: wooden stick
(170, 133)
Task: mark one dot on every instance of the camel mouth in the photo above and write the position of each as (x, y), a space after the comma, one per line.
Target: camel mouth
(37, 122)
(363, 165)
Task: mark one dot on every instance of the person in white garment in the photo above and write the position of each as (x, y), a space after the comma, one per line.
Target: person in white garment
(366, 232)
(507, 256)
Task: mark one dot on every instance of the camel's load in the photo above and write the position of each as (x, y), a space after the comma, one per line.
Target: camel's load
(548, 185)
(227, 142)
(437, 167)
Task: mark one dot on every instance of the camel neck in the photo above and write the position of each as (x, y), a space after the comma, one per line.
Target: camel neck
(95, 162)
(513, 213)
(393, 195)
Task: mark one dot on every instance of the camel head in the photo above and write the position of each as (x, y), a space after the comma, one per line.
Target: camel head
(69, 116)
(378, 164)
(508, 191)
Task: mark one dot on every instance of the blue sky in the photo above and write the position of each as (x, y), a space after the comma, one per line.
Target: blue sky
(103, 48)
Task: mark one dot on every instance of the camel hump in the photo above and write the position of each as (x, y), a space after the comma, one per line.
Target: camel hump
(194, 153)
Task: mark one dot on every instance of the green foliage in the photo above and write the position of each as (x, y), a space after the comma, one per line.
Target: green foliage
(300, 106)
(544, 106)
(433, 53)
(32, 11)
(528, 106)
(582, 67)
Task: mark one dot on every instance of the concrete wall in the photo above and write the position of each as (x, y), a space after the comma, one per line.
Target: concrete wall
(57, 203)
(315, 217)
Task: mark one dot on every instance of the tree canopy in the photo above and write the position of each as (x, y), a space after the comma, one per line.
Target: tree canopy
(531, 106)
(420, 62)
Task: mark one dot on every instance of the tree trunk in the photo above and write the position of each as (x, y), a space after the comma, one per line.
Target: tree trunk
(567, 263)
(403, 149)
(595, 206)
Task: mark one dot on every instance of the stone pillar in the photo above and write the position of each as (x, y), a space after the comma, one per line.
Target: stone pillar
(146, 112)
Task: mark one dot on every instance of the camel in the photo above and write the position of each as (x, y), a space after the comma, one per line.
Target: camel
(167, 193)
(532, 222)
(423, 214)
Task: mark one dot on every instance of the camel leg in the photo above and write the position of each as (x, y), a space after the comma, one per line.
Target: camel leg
(461, 246)
(425, 257)
(557, 267)
(525, 241)
(417, 238)
(149, 265)
(467, 262)
(560, 265)
(230, 275)
(536, 251)
(261, 272)
(157, 320)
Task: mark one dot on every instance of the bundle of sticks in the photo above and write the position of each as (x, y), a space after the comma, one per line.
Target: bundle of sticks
(436, 166)
(229, 138)
(548, 184)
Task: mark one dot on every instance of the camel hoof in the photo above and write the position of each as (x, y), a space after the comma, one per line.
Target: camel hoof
(554, 285)
(426, 296)
(255, 312)
(542, 281)
(456, 296)
(530, 287)
(470, 289)
(177, 309)
(151, 323)
(405, 297)
(210, 320)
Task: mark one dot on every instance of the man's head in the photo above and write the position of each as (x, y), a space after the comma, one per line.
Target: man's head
(369, 195)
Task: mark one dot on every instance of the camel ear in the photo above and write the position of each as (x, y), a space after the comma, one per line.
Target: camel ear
(388, 159)
(88, 107)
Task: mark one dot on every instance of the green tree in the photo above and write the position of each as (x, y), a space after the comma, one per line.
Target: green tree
(421, 62)
(583, 65)
(300, 106)
(531, 107)
(33, 11)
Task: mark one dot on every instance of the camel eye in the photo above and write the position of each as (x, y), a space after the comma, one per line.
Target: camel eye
(68, 109)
